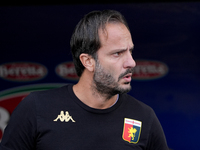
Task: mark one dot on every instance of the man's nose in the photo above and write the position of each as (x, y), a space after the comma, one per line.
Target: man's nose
(129, 62)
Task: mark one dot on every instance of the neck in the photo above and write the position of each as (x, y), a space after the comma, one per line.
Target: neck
(88, 94)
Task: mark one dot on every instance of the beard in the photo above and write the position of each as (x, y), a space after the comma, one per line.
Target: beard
(106, 84)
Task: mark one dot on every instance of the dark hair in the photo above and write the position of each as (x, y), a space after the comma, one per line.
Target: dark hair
(85, 38)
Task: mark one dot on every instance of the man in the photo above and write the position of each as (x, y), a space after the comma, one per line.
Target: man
(96, 113)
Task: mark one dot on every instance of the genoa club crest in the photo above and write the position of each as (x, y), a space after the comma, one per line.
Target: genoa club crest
(131, 131)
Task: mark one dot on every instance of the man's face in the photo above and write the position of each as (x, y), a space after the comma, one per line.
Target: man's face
(114, 65)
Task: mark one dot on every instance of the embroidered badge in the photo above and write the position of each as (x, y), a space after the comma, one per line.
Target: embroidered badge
(64, 117)
(131, 131)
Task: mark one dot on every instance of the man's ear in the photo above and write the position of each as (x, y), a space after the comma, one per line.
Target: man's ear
(87, 61)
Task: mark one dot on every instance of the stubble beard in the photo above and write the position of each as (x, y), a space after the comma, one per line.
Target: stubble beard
(106, 85)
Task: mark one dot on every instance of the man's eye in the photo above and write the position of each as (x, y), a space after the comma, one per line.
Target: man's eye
(131, 52)
(117, 54)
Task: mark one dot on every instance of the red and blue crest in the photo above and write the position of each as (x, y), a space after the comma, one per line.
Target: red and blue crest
(132, 130)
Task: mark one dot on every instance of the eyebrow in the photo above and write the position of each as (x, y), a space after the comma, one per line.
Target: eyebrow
(121, 50)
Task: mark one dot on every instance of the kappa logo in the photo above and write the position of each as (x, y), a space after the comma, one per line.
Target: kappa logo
(64, 117)
(132, 130)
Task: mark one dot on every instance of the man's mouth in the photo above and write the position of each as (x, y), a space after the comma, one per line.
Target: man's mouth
(127, 77)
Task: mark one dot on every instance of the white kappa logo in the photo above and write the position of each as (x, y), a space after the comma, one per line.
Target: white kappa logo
(64, 117)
